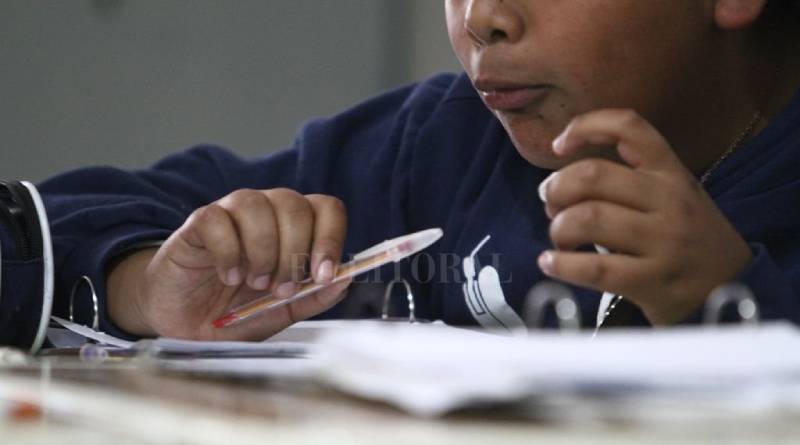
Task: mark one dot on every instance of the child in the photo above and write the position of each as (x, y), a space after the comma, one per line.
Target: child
(673, 129)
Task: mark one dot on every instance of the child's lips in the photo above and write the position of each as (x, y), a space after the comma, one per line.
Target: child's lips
(513, 98)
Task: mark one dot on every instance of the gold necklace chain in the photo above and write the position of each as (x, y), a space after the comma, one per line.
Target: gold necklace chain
(737, 144)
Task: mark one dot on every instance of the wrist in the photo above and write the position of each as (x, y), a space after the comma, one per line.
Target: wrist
(672, 314)
(674, 311)
(127, 298)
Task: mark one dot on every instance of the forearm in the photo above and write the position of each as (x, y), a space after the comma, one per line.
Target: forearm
(123, 293)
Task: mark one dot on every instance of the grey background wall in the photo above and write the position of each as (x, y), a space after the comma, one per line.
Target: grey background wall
(125, 82)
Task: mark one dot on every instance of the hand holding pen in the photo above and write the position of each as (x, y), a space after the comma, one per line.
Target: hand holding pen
(229, 253)
(392, 250)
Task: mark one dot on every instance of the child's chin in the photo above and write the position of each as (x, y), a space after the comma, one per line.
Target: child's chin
(533, 138)
(543, 158)
(539, 152)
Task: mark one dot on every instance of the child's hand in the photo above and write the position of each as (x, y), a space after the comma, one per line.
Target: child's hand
(227, 253)
(670, 244)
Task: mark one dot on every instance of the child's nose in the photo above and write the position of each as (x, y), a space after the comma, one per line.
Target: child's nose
(492, 21)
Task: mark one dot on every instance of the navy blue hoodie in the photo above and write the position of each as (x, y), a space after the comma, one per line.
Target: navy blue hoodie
(427, 155)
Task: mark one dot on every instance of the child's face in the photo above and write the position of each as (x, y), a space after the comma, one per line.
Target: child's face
(560, 58)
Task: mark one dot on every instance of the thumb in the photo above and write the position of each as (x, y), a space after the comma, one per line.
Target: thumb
(638, 143)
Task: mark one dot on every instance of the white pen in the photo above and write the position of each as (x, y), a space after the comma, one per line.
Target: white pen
(392, 250)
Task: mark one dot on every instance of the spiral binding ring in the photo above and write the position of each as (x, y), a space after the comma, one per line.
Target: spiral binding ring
(722, 296)
(549, 293)
(96, 318)
(387, 295)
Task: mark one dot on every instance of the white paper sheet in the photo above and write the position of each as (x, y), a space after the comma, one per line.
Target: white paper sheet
(227, 349)
(430, 372)
(100, 337)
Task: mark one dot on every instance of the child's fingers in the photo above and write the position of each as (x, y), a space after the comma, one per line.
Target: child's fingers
(295, 227)
(268, 323)
(258, 231)
(597, 179)
(330, 227)
(325, 298)
(615, 227)
(211, 229)
(617, 273)
(318, 302)
(639, 144)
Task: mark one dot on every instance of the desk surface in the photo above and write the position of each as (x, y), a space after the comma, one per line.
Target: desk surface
(123, 403)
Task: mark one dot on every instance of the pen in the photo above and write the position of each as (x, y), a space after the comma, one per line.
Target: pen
(392, 250)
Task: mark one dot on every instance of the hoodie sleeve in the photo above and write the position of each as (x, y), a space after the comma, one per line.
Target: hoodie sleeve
(772, 287)
(775, 292)
(360, 156)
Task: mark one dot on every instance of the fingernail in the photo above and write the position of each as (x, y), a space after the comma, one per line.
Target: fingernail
(558, 143)
(325, 271)
(261, 282)
(233, 277)
(545, 262)
(543, 186)
(550, 212)
(285, 290)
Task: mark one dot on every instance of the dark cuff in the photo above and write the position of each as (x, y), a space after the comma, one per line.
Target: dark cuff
(773, 292)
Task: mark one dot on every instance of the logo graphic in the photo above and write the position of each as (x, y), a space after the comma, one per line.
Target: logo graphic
(484, 296)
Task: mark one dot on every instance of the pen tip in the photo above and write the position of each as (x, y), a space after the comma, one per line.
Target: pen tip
(224, 321)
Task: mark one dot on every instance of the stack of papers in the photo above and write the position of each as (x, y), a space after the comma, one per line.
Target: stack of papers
(691, 373)
(430, 372)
